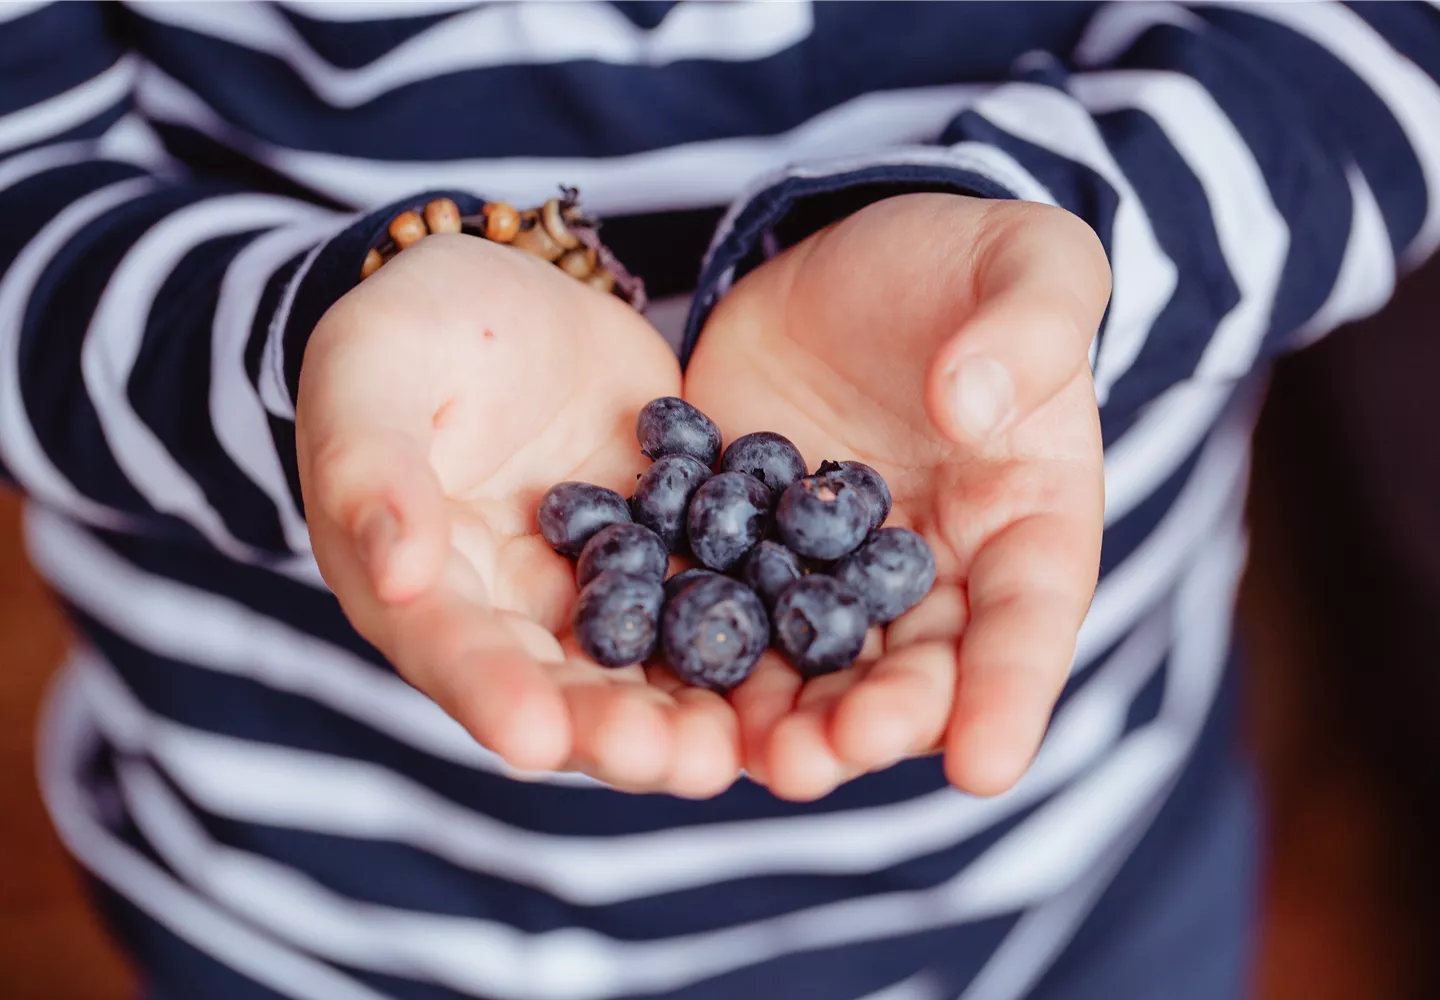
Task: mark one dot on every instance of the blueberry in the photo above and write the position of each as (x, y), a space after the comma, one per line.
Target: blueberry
(663, 495)
(768, 457)
(623, 548)
(572, 512)
(820, 625)
(727, 517)
(822, 517)
(713, 632)
(617, 618)
(871, 484)
(768, 569)
(671, 426)
(894, 571)
(683, 579)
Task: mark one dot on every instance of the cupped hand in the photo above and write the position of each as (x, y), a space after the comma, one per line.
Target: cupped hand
(438, 401)
(943, 340)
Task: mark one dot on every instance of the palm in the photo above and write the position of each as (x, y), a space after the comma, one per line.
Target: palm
(842, 366)
(548, 396)
(510, 377)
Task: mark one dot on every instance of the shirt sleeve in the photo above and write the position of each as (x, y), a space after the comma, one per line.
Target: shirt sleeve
(1257, 174)
(152, 322)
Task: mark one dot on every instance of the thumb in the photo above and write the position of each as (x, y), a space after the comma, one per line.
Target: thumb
(377, 487)
(1041, 284)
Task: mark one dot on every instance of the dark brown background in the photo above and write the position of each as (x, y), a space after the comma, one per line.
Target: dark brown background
(1342, 608)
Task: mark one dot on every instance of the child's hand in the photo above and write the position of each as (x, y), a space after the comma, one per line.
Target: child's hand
(849, 344)
(437, 402)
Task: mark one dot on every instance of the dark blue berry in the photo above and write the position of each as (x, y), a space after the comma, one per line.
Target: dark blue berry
(768, 457)
(570, 513)
(871, 484)
(893, 571)
(822, 517)
(671, 426)
(713, 632)
(727, 517)
(623, 548)
(617, 618)
(820, 625)
(768, 569)
(663, 494)
(683, 579)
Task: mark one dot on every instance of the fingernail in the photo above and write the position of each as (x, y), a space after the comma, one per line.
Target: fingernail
(375, 535)
(982, 397)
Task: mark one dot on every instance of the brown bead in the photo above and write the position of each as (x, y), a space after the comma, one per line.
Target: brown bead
(407, 229)
(502, 222)
(552, 216)
(373, 260)
(533, 238)
(602, 280)
(442, 216)
(579, 263)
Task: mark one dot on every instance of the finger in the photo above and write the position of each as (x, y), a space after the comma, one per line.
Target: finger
(378, 487)
(1041, 289)
(940, 616)
(899, 706)
(622, 732)
(765, 698)
(535, 639)
(662, 678)
(364, 425)
(800, 760)
(707, 737)
(470, 662)
(874, 647)
(1030, 587)
(902, 703)
(707, 745)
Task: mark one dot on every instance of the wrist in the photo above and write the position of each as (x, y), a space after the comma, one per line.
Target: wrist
(788, 208)
(555, 231)
(341, 261)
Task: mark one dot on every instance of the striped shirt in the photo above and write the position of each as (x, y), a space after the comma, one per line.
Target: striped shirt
(267, 810)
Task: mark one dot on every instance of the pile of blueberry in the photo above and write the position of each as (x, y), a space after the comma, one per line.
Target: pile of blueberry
(809, 566)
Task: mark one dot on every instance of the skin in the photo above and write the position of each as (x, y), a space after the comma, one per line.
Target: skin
(441, 397)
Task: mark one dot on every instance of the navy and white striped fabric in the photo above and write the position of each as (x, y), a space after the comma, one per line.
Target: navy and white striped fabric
(267, 810)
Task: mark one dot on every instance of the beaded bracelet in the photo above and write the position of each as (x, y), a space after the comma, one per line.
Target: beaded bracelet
(555, 231)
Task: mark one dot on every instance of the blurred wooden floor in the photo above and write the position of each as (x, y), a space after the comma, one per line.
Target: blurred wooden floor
(51, 947)
(1334, 929)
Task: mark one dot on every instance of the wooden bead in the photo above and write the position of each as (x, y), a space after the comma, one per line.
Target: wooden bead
(602, 280)
(407, 229)
(373, 260)
(535, 239)
(442, 216)
(579, 263)
(552, 217)
(502, 222)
